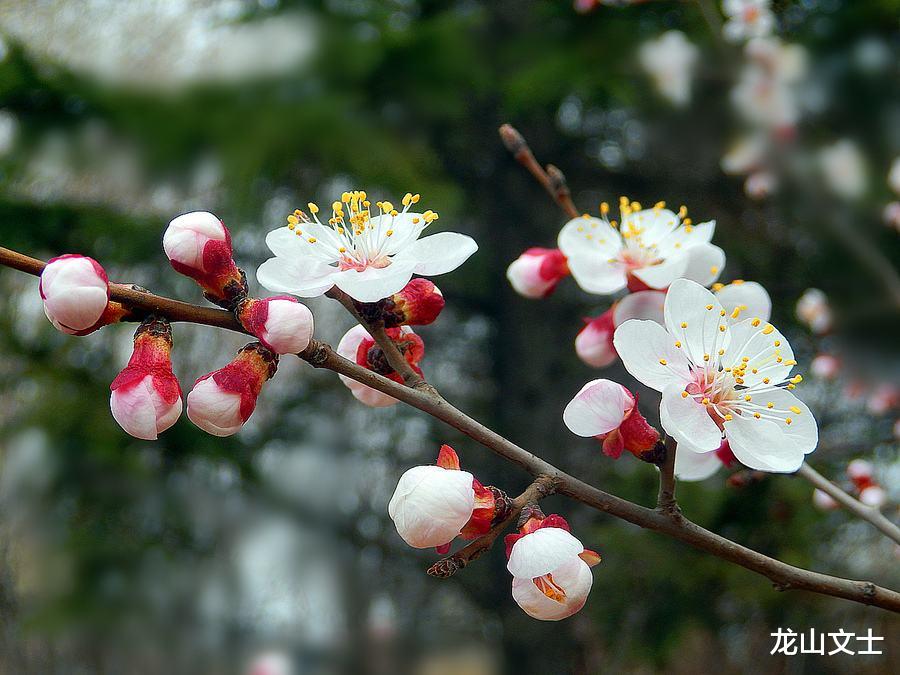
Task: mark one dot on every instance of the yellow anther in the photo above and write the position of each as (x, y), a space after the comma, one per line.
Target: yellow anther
(684, 394)
(722, 312)
(636, 206)
(342, 250)
(788, 420)
(791, 386)
(345, 197)
(311, 240)
(709, 307)
(688, 222)
(766, 380)
(678, 343)
(312, 208)
(292, 219)
(770, 405)
(796, 379)
(794, 409)
(706, 357)
(722, 328)
(748, 398)
(777, 343)
(755, 322)
(662, 362)
(768, 329)
(757, 415)
(737, 282)
(718, 286)
(682, 212)
(736, 313)
(721, 352)
(604, 208)
(713, 270)
(728, 417)
(684, 324)
(390, 233)
(705, 401)
(659, 205)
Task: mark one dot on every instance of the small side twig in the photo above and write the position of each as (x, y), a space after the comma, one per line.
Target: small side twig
(376, 329)
(872, 516)
(552, 178)
(665, 502)
(543, 486)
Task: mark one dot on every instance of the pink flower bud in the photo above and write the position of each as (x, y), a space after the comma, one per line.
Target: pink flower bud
(418, 304)
(594, 342)
(358, 346)
(75, 292)
(860, 470)
(551, 569)
(199, 246)
(146, 397)
(432, 504)
(608, 412)
(222, 401)
(883, 399)
(536, 273)
(814, 310)
(873, 496)
(282, 323)
(823, 501)
(825, 366)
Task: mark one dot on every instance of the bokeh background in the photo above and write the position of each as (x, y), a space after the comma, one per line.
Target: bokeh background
(197, 555)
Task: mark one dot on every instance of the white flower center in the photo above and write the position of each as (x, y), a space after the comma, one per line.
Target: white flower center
(355, 239)
(735, 380)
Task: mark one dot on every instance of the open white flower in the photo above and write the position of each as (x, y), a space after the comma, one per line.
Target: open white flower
(747, 19)
(670, 60)
(650, 249)
(367, 256)
(721, 380)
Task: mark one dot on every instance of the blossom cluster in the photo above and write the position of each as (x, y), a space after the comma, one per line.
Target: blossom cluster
(724, 373)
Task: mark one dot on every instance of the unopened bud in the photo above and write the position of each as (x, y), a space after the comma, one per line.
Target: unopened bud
(224, 400)
(418, 304)
(199, 246)
(282, 323)
(146, 396)
(75, 293)
(537, 272)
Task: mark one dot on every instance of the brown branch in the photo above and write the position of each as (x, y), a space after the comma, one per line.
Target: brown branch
(395, 359)
(543, 486)
(665, 502)
(871, 515)
(552, 179)
(321, 355)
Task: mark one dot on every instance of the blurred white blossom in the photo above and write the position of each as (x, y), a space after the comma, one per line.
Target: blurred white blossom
(844, 169)
(747, 19)
(670, 60)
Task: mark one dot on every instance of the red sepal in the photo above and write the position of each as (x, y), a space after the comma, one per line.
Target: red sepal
(483, 513)
(447, 458)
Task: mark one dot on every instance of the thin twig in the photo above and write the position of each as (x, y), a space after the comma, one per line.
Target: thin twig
(552, 179)
(543, 486)
(665, 502)
(394, 357)
(871, 515)
(321, 355)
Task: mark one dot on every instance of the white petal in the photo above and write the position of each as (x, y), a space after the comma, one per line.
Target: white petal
(574, 577)
(694, 316)
(686, 237)
(542, 551)
(641, 345)
(748, 294)
(215, 411)
(762, 445)
(596, 273)
(802, 432)
(306, 278)
(692, 466)
(641, 305)
(285, 243)
(406, 226)
(289, 326)
(373, 284)
(760, 348)
(589, 237)
(687, 421)
(598, 408)
(440, 253)
(431, 505)
(133, 409)
(664, 273)
(655, 225)
(705, 264)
